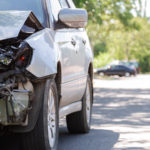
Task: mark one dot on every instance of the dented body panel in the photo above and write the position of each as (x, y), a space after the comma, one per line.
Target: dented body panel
(45, 54)
(11, 23)
(14, 22)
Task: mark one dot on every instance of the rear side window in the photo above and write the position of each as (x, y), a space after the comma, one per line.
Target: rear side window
(113, 67)
(121, 67)
(118, 67)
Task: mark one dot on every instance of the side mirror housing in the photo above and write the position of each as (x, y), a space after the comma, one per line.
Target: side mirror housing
(73, 18)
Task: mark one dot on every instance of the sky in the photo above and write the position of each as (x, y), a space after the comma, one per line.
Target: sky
(148, 7)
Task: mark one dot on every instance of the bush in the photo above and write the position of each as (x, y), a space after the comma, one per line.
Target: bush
(102, 59)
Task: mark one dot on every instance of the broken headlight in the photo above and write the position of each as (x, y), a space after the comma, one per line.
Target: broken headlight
(24, 55)
(16, 55)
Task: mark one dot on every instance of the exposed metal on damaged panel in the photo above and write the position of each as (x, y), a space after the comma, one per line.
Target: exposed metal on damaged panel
(45, 54)
(11, 23)
(14, 23)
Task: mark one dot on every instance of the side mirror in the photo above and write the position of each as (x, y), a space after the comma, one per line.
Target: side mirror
(74, 18)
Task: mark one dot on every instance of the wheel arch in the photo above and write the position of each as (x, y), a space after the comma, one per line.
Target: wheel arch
(91, 75)
(58, 79)
(90, 71)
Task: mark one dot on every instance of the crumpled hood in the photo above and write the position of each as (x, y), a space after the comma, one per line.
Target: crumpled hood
(11, 23)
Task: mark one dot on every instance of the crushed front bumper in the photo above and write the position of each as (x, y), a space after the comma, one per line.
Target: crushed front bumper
(14, 105)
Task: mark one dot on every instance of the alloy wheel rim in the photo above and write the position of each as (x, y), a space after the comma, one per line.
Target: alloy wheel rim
(51, 119)
(88, 105)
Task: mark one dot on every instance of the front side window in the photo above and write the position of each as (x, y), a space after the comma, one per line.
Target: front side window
(36, 6)
(113, 67)
(64, 4)
(55, 8)
(72, 5)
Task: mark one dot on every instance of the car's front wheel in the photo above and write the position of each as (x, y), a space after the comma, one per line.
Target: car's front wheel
(80, 122)
(45, 134)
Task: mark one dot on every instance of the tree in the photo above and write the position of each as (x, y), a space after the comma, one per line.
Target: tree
(141, 8)
(106, 11)
(115, 33)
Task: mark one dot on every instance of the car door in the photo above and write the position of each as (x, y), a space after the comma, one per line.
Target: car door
(79, 39)
(72, 84)
(123, 70)
(84, 53)
(110, 70)
(116, 70)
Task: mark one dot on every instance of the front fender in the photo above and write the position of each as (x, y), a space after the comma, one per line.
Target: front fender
(45, 54)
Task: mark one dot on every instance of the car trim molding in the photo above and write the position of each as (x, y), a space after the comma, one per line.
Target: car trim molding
(74, 107)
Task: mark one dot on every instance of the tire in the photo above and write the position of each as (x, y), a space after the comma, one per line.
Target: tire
(3, 131)
(45, 134)
(127, 74)
(101, 74)
(79, 122)
(135, 74)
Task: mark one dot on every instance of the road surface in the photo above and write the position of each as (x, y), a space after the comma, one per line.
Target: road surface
(120, 120)
(121, 117)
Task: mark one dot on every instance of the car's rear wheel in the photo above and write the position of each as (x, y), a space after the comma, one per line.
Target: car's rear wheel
(101, 74)
(45, 134)
(127, 74)
(79, 122)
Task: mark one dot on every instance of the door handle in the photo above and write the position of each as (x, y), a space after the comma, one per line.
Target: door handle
(73, 42)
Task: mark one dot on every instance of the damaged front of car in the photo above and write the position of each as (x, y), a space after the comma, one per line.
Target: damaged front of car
(25, 51)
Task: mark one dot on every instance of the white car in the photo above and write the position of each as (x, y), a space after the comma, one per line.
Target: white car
(46, 70)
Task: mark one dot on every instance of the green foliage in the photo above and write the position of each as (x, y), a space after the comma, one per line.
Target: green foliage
(102, 60)
(100, 48)
(104, 11)
(115, 33)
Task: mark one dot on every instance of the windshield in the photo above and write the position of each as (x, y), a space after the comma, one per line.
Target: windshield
(35, 6)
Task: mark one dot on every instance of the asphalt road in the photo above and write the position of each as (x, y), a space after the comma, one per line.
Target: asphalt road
(120, 120)
(121, 117)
